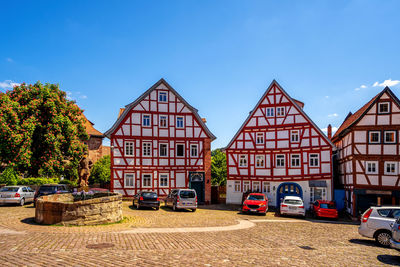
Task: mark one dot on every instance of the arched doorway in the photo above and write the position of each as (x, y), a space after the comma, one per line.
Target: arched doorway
(288, 189)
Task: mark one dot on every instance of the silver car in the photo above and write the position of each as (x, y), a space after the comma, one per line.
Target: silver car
(292, 205)
(182, 199)
(376, 223)
(16, 195)
(395, 241)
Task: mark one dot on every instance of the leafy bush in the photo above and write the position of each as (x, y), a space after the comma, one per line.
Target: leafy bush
(218, 167)
(38, 181)
(70, 183)
(101, 171)
(9, 177)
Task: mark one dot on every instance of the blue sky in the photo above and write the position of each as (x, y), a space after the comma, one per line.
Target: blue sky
(219, 55)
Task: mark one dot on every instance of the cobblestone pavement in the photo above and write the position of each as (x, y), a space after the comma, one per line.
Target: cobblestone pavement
(269, 243)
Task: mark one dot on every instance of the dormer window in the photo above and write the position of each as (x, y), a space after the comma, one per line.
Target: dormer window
(162, 97)
(383, 108)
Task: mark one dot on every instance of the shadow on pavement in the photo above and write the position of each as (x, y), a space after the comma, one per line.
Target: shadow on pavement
(365, 242)
(31, 221)
(389, 259)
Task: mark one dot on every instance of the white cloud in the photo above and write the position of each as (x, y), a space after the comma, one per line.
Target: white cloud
(334, 129)
(363, 86)
(333, 115)
(327, 96)
(75, 95)
(9, 59)
(389, 83)
(8, 84)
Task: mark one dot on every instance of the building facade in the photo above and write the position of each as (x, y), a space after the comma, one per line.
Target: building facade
(279, 151)
(158, 143)
(95, 143)
(368, 154)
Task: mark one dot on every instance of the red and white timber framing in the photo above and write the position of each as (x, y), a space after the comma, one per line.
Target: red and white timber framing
(369, 153)
(148, 125)
(277, 128)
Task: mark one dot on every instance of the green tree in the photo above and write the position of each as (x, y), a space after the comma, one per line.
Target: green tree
(9, 177)
(41, 131)
(101, 171)
(218, 167)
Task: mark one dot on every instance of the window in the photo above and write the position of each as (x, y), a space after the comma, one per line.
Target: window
(146, 149)
(129, 148)
(237, 186)
(194, 151)
(391, 168)
(260, 161)
(280, 111)
(243, 161)
(163, 150)
(280, 161)
(179, 122)
(374, 137)
(314, 160)
(180, 150)
(162, 97)
(390, 137)
(260, 138)
(129, 180)
(146, 180)
(146, 120)
(164, 179)
(383, 107)
(317, 193)
(163, 121)
(294, 136)
(371, 167)
(295, 160)
(270, 112)
(266, 187)
(256, 186)
(246, 186)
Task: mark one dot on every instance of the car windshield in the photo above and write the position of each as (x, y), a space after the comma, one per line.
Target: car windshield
(327, 206)
(187, 194)
(293, 201)
(47, 189)
(255, 197)
(9, 189)
(149, 195)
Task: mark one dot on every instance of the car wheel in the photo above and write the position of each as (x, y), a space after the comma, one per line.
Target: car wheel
(383, 238)
(174, 207)
(264, 214)
(22, 202)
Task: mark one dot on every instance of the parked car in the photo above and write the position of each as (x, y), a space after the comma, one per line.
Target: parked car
(325, 209)
(255, 202)
(292, 205)
(395, 240)
(16, 194)
(376, 223)
(182, 199)
(50, 189)
(146, 199)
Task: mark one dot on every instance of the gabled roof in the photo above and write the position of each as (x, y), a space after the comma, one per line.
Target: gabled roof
(128, 107)
(293, 101)
(352, 119)
(90, 130)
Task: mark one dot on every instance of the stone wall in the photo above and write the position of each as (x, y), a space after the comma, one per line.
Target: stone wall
(62, 210)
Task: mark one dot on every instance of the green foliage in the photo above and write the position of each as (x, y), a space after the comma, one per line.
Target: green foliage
(9, 177)
(218, 167)
(41, 131)
(101, 171)
(69, 182)
(37, 181)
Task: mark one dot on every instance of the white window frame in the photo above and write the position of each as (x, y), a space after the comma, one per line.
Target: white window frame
(159, 179)
(396, 164)
(312, 159)
(384, 137)
(151, 180)
(312, 193)
(191, 150)
(246, 184)
(144, 154)
(280, 111)
(132, 144)
(183, 122)
(253, 187)
(381, 104)
(292, 156)
(143, 119)
(260, 138)
(166, 121)
(176, 150)
(270, 112)
(279, 157)
(367, 167)
(129, 185)
(266, 187)
(162, 93)
(159, 150)
(262, 157)
(243, 164)
(295, 133)
(237, 186)
(370, 135)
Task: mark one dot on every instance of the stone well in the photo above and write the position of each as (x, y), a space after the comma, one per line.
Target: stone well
(62, 210)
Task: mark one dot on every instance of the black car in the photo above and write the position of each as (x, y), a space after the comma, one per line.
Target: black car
(50, 189)
(146, 199)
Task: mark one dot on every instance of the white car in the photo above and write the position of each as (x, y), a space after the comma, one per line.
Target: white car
(292, 205)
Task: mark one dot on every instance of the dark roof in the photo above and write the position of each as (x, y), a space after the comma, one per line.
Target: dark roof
(140, 98)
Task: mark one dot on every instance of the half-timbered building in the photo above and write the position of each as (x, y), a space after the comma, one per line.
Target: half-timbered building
(159, 142)
(279, 151)
(368, 154)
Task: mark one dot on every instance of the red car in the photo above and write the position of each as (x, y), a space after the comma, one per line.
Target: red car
(325, 209)
(255, 202)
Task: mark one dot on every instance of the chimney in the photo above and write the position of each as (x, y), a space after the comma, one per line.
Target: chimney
(329, 131)
(204, 120)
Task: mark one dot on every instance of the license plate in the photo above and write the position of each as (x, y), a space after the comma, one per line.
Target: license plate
(253, 210)
(293, 208)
